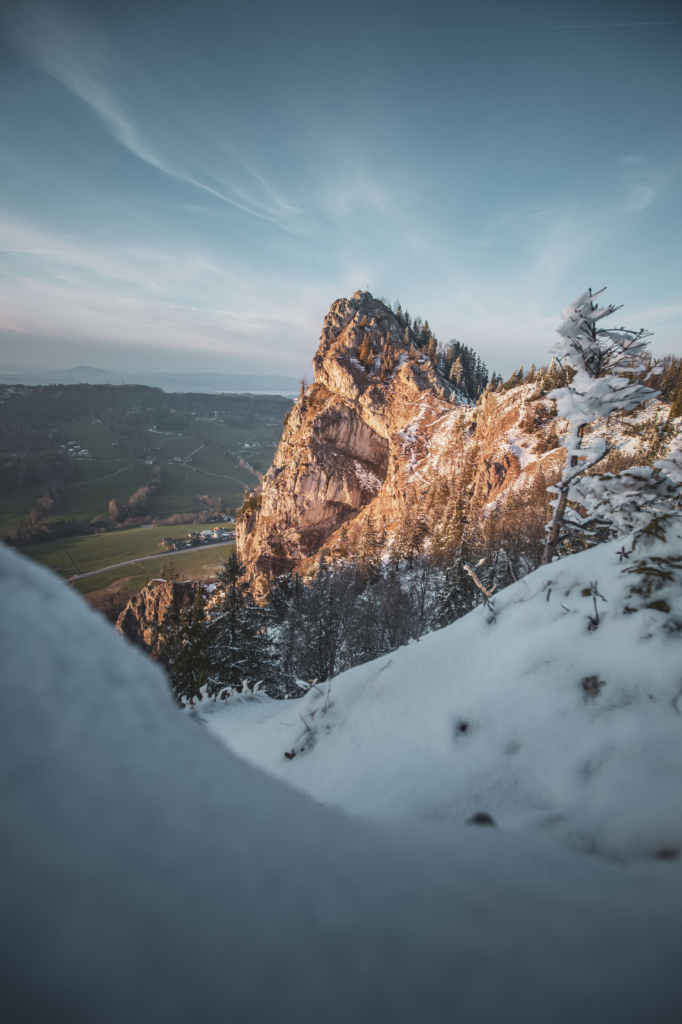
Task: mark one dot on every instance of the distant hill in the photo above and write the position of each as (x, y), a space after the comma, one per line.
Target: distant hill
(205, 383)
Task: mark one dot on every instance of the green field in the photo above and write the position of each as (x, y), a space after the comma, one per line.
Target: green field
(200, 563)
(196, 439)
(210, 472)
(16, 504)
(109, 475)
(76, 555)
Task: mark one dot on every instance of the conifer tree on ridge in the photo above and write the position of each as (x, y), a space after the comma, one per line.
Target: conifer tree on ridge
(596, 390)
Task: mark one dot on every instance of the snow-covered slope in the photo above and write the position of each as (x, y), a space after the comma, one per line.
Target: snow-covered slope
(151, 877)
(543, 713)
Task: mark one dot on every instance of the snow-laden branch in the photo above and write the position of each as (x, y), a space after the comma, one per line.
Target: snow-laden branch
(596, 356)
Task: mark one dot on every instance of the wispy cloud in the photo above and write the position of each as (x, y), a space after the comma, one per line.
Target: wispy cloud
(67, 50)
(641, 182)
(171, 298)
(353, 187)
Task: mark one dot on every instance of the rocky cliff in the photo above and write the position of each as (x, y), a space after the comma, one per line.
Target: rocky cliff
(157, 604)
(381, 435)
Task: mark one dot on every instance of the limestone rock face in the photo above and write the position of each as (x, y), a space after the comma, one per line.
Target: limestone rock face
(373, 432)
(157, 604)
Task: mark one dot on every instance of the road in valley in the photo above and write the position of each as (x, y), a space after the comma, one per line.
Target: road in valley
(146, 558)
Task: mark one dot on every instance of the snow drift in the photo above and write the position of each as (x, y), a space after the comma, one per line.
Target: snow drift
(557, 711)
(148, 875)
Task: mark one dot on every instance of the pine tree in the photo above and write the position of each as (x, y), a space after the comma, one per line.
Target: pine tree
(168, 572)
(481, 377)
(320, 619)
(369, 549)
(387, 604)
(411, 532)
(594, 390)
(515, 378)
(365, 353)
(186, 650)
(239, 642)
(457, 372)
(458, 593)
(388, 361)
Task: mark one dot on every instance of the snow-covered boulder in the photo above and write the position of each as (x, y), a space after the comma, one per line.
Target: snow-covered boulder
(556, 712)
(151, 877)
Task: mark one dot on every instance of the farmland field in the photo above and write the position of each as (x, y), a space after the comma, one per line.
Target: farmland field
(198, 564)
(76, 555)
(210, 472)
(110, 590)
(197, 440)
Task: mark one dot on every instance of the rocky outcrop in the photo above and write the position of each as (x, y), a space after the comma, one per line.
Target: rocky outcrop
(371, 435)
(159, 603)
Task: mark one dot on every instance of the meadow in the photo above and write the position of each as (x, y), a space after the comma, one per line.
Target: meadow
(123, 442)
(198, 564)
(126, 431)
(73, 556)
(210, 472)
(109, 475)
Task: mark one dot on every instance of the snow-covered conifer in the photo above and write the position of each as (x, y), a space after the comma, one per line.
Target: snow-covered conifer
(625, 501)
(598, 357)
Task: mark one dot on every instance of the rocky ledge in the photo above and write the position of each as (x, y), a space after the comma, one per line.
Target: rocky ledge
(158, 604)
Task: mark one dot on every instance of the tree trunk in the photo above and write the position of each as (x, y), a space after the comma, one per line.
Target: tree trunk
(558, 517)
(555, 529)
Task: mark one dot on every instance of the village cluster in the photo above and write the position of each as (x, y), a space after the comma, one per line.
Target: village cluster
(218, 533)
(75, 451)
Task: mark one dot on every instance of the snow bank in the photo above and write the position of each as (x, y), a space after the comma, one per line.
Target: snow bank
(148, 875)
(544, 714)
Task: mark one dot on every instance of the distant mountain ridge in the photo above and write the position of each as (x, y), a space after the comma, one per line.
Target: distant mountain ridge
(205, 383)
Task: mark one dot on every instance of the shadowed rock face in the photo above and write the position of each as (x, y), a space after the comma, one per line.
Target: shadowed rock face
(372, 433)
(157, 604)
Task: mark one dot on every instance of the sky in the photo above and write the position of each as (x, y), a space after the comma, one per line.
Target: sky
(190, 186)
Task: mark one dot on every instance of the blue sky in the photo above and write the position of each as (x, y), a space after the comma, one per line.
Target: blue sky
(191, 185)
